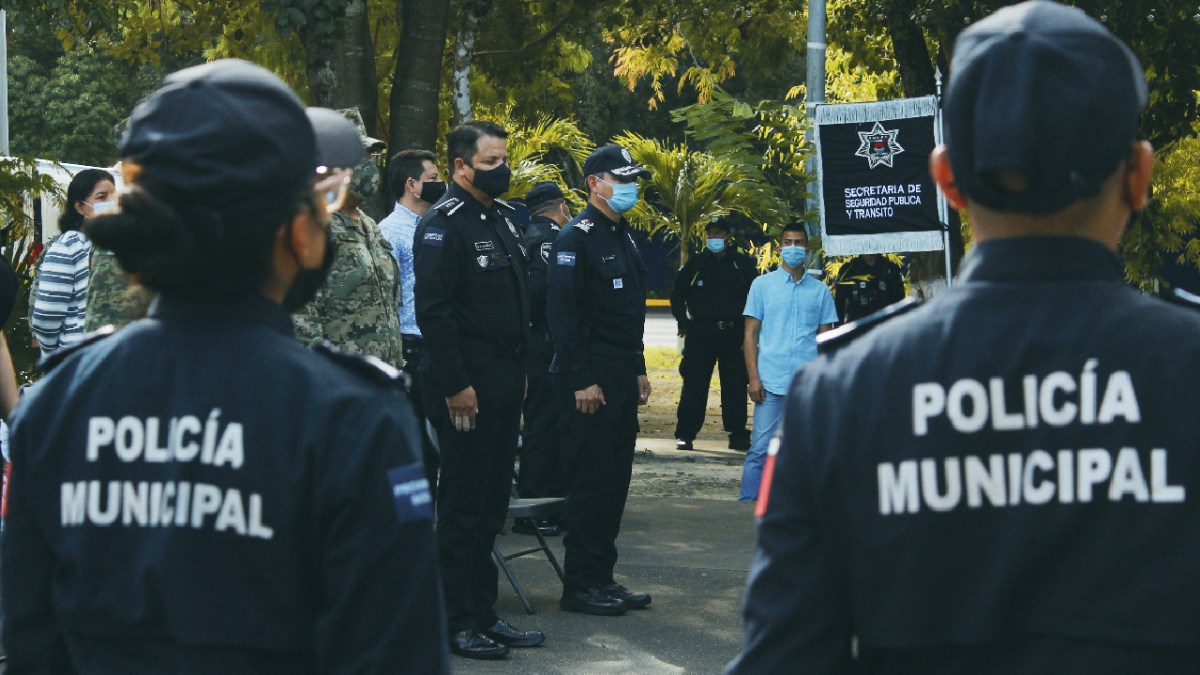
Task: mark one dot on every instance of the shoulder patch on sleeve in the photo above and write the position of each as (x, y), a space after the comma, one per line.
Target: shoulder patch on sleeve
(48, 363)
(545, 249)
(1178, 296)
(410, 492)
(434, 236)
(373, 369)
(837, 338)
(585, 224)
(449, 206)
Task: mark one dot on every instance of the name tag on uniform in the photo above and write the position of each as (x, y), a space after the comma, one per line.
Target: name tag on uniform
(485, 246)
(618, 283)
(567, 259)
(434, 236)
(700, 282)
(410, 492)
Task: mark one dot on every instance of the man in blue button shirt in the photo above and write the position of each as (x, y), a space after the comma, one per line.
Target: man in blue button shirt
(785, 311)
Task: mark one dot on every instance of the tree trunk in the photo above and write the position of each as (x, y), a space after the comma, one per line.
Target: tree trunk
(912, 56)
(340, 64)
(464, 51)
(417, 80)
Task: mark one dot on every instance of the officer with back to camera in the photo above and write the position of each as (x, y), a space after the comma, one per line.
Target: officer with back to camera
(597, 312)
(707, 302)
(199, 493)
(1004, 479)
(542, 472)
(473, 310)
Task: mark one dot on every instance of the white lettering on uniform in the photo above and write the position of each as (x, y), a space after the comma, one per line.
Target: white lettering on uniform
(166, 504)
(1071, 476)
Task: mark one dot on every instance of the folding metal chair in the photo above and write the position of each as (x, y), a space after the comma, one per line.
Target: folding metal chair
(532, 510)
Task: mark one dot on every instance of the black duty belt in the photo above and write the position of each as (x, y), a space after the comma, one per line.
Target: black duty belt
(719, 324)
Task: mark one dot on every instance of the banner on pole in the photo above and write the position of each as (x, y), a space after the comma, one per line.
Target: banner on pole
(876, 193)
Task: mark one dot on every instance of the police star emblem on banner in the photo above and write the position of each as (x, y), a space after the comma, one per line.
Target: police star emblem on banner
(879, 146)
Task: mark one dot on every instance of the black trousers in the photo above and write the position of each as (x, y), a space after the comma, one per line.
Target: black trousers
(542, 473)
(413, 349)
(707, 345)
(601, 463)
(475, 486)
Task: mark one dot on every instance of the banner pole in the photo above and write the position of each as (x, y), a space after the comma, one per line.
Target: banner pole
(943, 207)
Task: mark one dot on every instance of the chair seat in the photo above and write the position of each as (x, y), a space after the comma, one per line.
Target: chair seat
(539, 508)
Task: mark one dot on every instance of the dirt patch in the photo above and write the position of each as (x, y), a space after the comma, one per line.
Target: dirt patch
(697, 477)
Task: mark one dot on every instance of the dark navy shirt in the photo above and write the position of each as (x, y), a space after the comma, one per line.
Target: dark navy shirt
(201, 493)
(710, 287)
(1004, 479)
(597, 296)
(538, 242)
(471, 285)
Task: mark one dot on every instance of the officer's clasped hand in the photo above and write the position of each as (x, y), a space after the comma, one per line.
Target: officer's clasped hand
(588, 401)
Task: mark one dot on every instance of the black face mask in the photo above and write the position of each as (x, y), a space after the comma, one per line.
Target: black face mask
(308, 281)
(431, 191)
(492, 182)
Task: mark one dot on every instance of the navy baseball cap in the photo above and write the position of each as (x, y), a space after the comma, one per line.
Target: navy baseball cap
(1044, 91)
(233, 131)
(542, 193)
(615, 160)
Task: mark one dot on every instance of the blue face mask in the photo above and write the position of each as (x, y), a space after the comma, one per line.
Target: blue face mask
(624, 197)
(715, 245)
(793, 255)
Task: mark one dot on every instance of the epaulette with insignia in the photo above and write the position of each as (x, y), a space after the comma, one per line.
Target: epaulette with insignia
(585, 224)
(837, 338)
(370, 367)
(449, 206)
(505, 204)
(47, 363)
(1178, 296)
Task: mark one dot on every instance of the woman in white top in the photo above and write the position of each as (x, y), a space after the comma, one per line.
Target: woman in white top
(60, 300)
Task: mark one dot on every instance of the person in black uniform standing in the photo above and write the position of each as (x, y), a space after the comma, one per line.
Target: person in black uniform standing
(596, 308)
(1004, 479)
(542, 472)
(199, 493)
(473, 311)
(707, 302)
(865, 285)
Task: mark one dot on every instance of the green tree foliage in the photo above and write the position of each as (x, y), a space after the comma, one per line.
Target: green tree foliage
(1167, 231)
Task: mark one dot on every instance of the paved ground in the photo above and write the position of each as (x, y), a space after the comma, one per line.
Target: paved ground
(691, 555)
(660, 328)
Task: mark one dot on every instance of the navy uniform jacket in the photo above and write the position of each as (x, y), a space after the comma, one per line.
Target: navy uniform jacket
(470, 291)
(713, 288)
(1003, 480)
(597, 296)
(201, 494)
(538, 242)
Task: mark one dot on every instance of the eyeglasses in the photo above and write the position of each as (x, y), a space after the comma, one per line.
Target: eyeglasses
(331, 187)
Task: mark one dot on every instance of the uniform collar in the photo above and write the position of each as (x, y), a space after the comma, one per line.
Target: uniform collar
(250, 307)
(1041, 259)
(597, 216)
(548, 222)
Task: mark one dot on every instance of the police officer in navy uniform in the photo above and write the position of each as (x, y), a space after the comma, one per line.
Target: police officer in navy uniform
(866, 284)
(1004, 479)
(200, 493)
(597, 313)
(542, 472)
(473, 311)
(707, 302)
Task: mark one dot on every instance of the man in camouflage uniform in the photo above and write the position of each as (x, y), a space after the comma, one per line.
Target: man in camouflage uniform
(356, 308)
(111, 299)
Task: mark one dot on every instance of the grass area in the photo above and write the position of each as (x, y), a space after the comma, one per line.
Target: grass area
(658, 416)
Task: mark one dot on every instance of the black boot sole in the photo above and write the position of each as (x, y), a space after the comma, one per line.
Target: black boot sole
(571, 605)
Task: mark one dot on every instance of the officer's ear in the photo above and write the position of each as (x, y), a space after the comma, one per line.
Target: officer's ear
(939, 168)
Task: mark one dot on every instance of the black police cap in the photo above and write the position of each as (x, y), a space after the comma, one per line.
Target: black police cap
(230, 131)
(541, 194)
(615, 160)
(1044, 91)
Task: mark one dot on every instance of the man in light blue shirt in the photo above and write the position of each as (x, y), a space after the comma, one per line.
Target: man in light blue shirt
(413, 179)
(785, 311)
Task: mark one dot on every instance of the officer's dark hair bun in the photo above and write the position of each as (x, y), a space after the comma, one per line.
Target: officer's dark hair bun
(174, 242)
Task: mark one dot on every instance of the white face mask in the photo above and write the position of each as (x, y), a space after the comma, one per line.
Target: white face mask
(103, 208)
